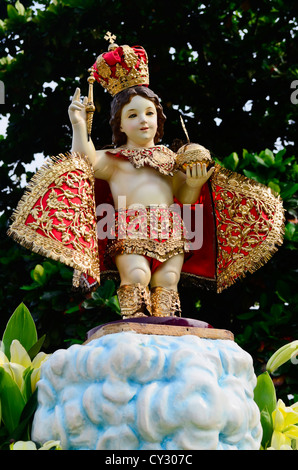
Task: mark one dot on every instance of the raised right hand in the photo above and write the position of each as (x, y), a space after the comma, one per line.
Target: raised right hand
(77, 109)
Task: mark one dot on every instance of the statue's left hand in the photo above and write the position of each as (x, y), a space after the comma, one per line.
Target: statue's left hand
(197, 175)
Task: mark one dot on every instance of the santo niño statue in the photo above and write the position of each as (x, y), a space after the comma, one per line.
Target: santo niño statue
(160, 201)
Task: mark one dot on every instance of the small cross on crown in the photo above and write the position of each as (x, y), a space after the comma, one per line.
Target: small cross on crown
(110, 37)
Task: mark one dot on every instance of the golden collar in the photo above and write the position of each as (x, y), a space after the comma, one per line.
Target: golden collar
(160, 158)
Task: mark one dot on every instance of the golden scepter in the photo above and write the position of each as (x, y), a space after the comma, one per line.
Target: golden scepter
(184, 128)
(90, 108)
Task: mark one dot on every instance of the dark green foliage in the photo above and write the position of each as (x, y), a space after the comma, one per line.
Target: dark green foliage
(232, 61)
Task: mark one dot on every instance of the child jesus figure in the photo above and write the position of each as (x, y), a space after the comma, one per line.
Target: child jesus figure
(141, 173)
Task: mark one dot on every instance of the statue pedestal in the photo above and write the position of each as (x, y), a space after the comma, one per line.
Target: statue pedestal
(133, 387)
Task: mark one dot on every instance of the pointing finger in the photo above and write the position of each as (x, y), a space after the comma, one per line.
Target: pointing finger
(76, 95)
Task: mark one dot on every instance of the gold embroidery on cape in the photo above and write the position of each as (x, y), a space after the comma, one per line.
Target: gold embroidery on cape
(249, 225)
(56, 215)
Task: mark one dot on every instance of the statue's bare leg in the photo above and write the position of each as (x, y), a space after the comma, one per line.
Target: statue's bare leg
(164, 291)
(133, 293)
(135, 277)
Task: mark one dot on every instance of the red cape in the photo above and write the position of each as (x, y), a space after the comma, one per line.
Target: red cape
(243, 223)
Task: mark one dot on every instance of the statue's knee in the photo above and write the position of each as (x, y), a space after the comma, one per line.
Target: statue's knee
(133, 269)
(140, 275)
(167, 278)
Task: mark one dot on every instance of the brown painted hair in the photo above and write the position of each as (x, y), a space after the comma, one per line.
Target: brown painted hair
(124, 97)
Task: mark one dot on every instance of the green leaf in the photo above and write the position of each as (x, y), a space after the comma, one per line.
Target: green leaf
(27, 392)
(267, 426)
(2, 28)
(20, 8)
(268, 157)
(50, 268)
(25, 418)
(252, 175)
(231, 162)
(264, 393)
(30, 406)
(247, 332)
(113, 303)
(20, 326)
(276, 311)
(247, 315)
(34, 350)
(33, 286)
(39, 274)
(246, 155)
(259, 161)
(107, 289)
(264, 325)
(274, 186)
(265, 398)
(97, 296)
(76, 308)
(291, 232)
(15, 15)
(283, 290)
(12, 401)
(279, 157)
(289, 190)
(12, 12)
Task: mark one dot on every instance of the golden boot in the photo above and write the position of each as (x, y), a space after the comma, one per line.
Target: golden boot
(134, 300)
(164, 302)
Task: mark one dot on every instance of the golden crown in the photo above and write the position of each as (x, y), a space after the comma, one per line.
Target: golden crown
(121, 67)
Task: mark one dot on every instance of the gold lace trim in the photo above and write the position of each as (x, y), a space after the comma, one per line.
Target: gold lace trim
(249, 224)
(56, 215)
(160, 250)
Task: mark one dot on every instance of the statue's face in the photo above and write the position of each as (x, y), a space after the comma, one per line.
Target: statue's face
(139, 122)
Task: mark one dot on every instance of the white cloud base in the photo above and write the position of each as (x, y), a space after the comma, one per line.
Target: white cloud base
(129, 391)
